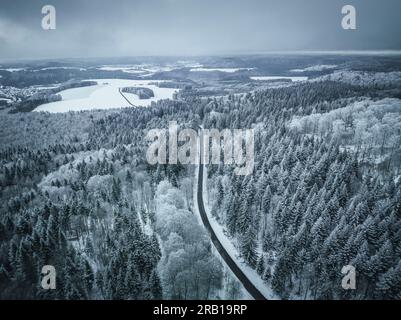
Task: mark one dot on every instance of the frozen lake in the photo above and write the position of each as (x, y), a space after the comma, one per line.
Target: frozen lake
(106, 95)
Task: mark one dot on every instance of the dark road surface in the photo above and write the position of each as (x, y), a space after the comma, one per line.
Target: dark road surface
(126, 99)
(248, 285)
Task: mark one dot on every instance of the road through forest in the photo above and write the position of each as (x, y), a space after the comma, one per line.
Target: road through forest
(248, 285)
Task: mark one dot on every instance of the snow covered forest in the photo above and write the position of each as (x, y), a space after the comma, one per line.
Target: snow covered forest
(77, 193)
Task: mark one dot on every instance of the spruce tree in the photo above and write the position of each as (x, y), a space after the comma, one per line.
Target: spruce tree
(248, 246)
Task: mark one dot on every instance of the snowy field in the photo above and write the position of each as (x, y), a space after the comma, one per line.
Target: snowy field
(146, 70)
(14, 69)
(227, 70)
(124, 68)
(267, 78)
(320, 67)
(105, 95)
(60, 68)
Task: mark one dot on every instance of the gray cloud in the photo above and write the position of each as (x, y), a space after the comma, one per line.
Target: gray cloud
(94, 28)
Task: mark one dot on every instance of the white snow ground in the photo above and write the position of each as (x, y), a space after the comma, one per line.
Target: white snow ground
(320, 67)
(227, 70)
(125, 68)
(266, 78)
(105, 95)
(146, 70)
(14, 69)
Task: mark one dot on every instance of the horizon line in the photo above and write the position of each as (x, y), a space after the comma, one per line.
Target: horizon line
(285, 52)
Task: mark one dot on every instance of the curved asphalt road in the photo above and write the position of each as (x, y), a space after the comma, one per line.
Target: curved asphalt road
(126, 99)
(248, 285)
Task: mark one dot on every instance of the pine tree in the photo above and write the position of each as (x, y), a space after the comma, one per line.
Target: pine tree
(360, 214)
(116, 189)
(248, 246)
(155, 248)
(231, 214)
(266, 199)
(278, 281)
(260, 267)
(220, 194)
(52, 232)
(268, 243)
(397, 204)
(132, 282)
(155, 286)
(244, 218)
(389, 284)
(267, 274)
(88, 276)
(128, 177)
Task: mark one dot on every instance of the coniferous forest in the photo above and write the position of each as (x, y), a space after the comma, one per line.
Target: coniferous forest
(78, 193)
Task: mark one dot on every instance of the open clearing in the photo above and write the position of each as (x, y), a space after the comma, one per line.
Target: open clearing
(106, 95)
(227, 70)
(268, 78)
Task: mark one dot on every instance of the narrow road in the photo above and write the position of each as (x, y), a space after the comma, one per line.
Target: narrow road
(248, 285)
(126, 99)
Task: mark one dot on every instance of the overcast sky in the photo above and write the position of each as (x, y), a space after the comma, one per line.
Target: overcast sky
(96, 28)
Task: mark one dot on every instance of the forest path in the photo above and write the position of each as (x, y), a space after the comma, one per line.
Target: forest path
(248, 285)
